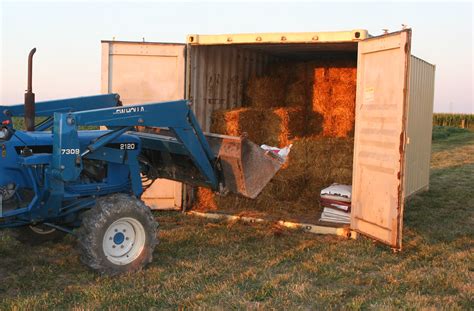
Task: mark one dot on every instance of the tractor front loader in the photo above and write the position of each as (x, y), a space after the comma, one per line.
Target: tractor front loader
(56, 178)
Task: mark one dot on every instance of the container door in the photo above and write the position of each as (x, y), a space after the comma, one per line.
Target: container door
(382, 81)
(147, 72)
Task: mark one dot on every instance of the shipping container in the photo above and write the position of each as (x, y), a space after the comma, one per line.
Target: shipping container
(393, 108)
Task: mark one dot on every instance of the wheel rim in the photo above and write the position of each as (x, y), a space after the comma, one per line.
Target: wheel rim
(124, 241)
(42, 229)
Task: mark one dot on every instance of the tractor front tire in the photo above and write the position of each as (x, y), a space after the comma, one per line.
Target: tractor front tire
(37, 235)
(117, 235)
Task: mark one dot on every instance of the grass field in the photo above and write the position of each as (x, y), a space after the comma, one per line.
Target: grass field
(216, 264)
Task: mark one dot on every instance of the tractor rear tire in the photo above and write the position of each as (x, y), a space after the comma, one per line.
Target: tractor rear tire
(118, 235)
(38, 235)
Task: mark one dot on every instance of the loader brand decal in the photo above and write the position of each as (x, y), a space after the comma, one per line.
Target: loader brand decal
(126, 110)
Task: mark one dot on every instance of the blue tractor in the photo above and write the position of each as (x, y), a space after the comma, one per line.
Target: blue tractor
(57, 177)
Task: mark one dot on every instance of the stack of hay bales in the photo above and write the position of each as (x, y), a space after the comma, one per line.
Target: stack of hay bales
(313, 164)
(334, 94)
(310, 105)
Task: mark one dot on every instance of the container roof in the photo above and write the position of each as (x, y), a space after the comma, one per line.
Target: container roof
(274, 38)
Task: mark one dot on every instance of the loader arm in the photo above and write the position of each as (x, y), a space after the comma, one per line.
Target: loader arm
(48, 108)
(67, 156)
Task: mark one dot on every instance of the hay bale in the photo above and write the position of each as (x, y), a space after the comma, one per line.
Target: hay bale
(288, 71)
(332, 162)
(284, 84)
(236, 122)
(219, 121)
(336, 151)
(284, 189)
(334, 95)
(343, 90)
(345, 72)
(296, 95)
(266, 91)
(320, 73)
(314, 123)
(275, 127)
(338, 122)
(281, 125)
(289, 182)
(297, 77)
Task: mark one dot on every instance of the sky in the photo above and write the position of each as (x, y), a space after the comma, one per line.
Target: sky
(67, 36)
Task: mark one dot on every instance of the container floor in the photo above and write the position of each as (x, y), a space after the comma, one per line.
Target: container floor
(292, 214)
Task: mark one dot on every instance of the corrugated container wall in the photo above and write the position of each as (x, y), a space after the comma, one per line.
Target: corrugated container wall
(219, 74)
(420, 116)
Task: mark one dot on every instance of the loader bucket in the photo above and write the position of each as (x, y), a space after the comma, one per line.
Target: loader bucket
(246, 167)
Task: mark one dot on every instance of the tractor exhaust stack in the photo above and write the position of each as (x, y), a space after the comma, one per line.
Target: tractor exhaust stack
(30, 96)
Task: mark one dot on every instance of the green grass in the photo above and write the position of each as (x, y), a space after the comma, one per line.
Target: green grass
(444, 132)
(203, 264)
(19, 123)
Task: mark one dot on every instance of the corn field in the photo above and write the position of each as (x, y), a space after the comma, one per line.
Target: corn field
(455, 120)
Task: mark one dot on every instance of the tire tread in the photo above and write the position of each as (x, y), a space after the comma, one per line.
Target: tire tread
(93, 221)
